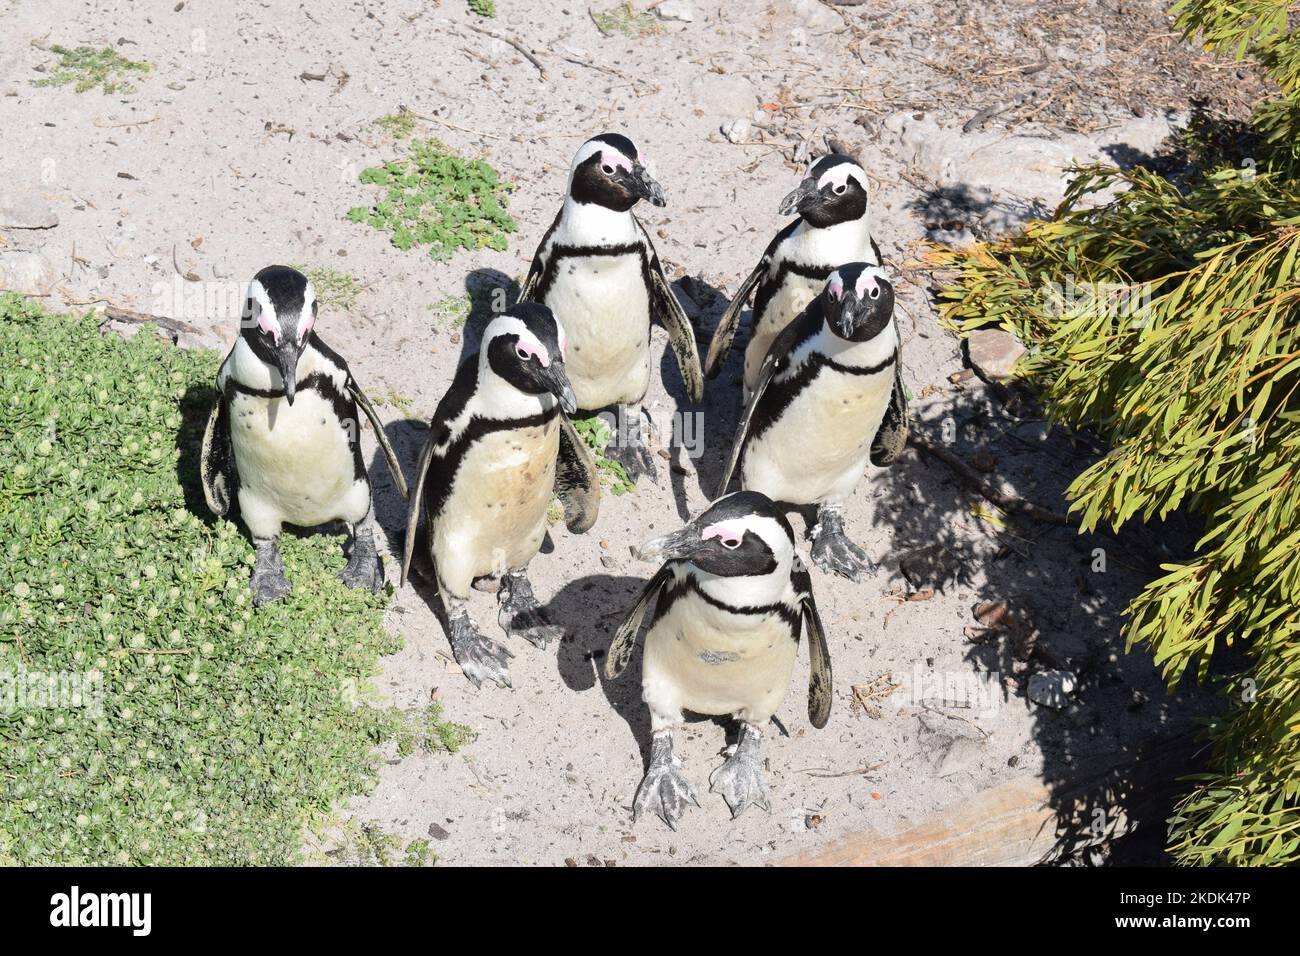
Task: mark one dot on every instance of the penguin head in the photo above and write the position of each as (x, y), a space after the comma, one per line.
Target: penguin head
(741, 535)
(833, 191)
(279, 314)
(608, 170)
(858, 301)
(525, 345)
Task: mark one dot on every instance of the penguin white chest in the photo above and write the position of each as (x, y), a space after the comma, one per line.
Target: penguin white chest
(604, 305)
(495, 517)
(701, 658)
(819, 445)
(295, 463)
(787, 302)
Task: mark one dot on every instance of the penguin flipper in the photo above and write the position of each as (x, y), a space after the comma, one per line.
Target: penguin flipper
(620, 649)
(819, 655)
(778, 356)
(891, 437)
(681, 334)
(577, 483)
(413, 505)
(381, 436)
(217, 461)
(730, 321)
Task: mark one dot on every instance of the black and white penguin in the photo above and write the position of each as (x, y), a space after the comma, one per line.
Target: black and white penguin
(833, 227)
(499, 446)
(732, 599)
(828, 398)
(283, 440)
(598, 271)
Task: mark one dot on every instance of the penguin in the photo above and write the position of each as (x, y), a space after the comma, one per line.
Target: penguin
(732, 597)
(833, 227)
(598, 271)
(500, 444)
(828, 398)
(283, 440)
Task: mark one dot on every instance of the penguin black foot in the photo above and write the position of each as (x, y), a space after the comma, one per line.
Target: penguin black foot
(480, 658)
(628, 448)
(740, 779)
(268, 582)
(665, 790)
(364, 568)
(833, 551)
(521, 616)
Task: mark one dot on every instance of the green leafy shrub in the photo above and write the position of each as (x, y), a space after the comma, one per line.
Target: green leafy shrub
(88, 68)
(437, 199)
(484, 8)
(1166, 319)
(216, 733)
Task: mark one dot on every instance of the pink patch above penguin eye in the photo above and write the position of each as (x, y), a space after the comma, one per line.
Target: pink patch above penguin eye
(836, 286)
(268, 325)
(615, 161)
(308, 324)
(726, 536)
(868, 286)
(527, 350)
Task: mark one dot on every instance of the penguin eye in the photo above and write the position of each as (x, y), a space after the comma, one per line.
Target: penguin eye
(875, 292)
(730, 543)
(839, 190)
(523, 353)
(607, 169)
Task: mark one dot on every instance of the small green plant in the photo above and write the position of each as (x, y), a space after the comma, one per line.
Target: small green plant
(181, 727)
(435, 198)
(595, 432)
(399, 125)
(368, 844)
(334, 289)
(398, 401)
(87, 68)
(627, 20)
(484, 8)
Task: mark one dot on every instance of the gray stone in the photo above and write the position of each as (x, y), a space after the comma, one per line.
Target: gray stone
(994, 353)
(31, 273)
(1052, 688)
(26, 211)
(738, 130)
(682, 10)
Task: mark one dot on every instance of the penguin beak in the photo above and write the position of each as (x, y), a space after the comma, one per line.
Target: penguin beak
(556, 381)
(801, 199)
(853, 314)
(677, 546)
(286, 362)
(641, 184)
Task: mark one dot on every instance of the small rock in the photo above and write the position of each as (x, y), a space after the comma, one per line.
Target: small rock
(30, 273)
(994, 353)
(608, 561)
(1052, 688)
(682, 10)
(26, 211)
(814, 15)
(437, 832)
(738, 130)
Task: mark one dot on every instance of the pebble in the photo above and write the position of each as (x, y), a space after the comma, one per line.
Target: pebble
(30, 273)
(20, 210)
(994, 353)
(682, 10)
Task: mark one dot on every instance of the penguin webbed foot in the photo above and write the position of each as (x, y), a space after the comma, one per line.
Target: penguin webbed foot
(665, 791)
(364, 568)
(833, 551)
(627, 447)
(740, 779)
(268, 582)
(480, 658)
(521, 616)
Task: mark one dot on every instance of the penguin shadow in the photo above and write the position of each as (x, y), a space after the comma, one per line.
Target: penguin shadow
(590, 610)
(702, 432)
(490, 293)
(196, 405)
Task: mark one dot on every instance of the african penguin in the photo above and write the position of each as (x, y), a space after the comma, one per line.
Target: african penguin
(283, 439)
(731, 600)
(828, 398)
(500, 444)
(598, 271)
(833, 227)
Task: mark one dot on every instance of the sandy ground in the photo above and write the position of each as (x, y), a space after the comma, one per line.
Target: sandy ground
(226, 159)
